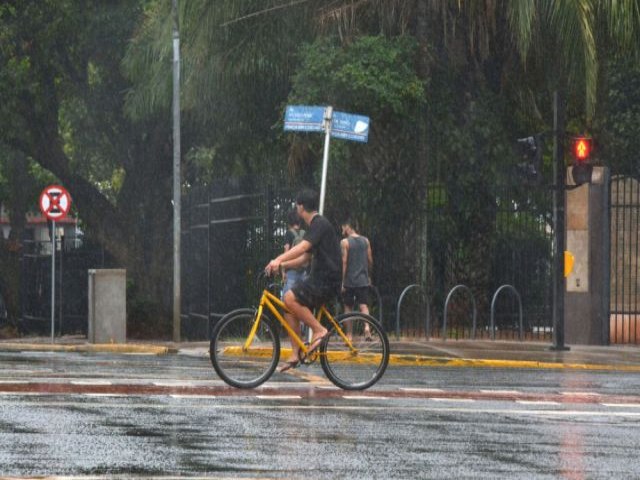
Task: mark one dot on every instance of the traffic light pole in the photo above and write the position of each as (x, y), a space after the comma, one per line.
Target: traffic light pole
(559, 173)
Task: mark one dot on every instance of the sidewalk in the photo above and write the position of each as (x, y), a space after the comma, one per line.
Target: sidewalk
(409, 352)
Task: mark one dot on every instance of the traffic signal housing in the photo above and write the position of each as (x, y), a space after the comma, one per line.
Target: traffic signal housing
(531, 153)
(581, 149)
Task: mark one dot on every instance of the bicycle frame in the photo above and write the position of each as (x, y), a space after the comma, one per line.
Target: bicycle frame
(272, 303)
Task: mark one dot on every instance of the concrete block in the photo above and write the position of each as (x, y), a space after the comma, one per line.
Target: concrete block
(107, 306)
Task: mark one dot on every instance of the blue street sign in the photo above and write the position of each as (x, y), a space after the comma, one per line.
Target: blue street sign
(350, 127)
(302, 118)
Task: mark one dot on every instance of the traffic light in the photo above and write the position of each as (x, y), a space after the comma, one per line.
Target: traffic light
(581, 149)
(531, 152)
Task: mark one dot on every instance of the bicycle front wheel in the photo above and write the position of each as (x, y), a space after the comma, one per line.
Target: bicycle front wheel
(241, 361)
(355, 356)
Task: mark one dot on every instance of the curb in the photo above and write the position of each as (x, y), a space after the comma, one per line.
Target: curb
(419, 360)
(141, 349)
(411, 360)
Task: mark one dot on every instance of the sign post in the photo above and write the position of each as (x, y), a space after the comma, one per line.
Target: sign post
(302, 118)
(328, 113)
(55, 203)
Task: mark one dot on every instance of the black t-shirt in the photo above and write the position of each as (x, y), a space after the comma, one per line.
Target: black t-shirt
(326, 264)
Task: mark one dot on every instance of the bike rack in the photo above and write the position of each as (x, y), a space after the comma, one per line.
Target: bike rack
(493, 302)
(446, 305)
(426, 299)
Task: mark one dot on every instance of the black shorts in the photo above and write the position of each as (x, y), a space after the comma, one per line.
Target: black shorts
(313, 294)
(355, 295)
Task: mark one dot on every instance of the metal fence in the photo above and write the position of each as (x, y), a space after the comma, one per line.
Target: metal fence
(234, 226)
(231, 230)
(508, 242)
(625, 260)
(72, 265)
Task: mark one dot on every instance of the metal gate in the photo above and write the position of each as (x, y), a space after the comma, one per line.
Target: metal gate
(72, 265)
(625, 260)
(230, 230)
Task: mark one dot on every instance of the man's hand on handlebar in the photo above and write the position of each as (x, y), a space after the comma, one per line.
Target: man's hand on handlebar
(273, 267)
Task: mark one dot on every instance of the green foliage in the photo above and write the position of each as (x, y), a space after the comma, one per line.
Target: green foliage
(617, 137)
(373, 75)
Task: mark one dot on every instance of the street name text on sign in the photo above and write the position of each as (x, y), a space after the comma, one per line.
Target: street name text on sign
(350, 127)
(302, 118)
(55, 202)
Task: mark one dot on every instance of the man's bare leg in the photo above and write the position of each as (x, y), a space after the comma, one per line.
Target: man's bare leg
(305, 315)
(364, 308)
(349, 323)
(295, 326)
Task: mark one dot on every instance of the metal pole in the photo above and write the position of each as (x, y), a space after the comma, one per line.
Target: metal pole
(559, 171)
(328, 113)
(176, 175)
(53, 278)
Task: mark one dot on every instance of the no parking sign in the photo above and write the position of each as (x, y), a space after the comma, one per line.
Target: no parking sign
(55, 202)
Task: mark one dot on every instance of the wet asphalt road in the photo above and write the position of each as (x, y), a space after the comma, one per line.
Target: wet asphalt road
(143, 416)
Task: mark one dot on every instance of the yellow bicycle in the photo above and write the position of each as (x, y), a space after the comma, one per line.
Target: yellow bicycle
(245, 346)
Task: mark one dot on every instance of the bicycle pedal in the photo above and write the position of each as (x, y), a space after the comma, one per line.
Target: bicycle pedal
(309, 359)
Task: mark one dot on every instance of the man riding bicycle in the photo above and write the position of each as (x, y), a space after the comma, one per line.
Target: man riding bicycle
(321, 243)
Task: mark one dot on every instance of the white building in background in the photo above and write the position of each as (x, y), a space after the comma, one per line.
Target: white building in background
(37, 231)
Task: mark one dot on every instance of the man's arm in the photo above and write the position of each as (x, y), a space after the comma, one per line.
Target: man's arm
(344, 247)
(293, 253)
(298, 262)
(369, 259)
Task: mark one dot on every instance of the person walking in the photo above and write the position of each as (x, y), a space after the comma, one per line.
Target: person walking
(294, 235)
(357, 261)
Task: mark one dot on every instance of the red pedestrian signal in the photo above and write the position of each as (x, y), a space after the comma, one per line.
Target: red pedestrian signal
(582, 148)
(582, 169)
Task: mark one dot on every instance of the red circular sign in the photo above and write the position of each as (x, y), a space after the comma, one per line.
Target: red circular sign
(55, 202)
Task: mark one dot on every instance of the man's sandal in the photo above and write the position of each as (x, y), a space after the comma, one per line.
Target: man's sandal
(315, 344)
(289, 366)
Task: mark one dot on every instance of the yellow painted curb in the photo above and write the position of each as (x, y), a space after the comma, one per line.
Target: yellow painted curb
(418, 360)
(424, 361)
(89, 347)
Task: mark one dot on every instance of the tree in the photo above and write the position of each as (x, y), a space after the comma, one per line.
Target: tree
(64, 109)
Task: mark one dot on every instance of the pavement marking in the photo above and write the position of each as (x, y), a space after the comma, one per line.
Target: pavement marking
(206, 397)
(581, 394)
(422, 390)
(278, 397)
(463, 400)
(104, 394)
(537, 402)
(21, 393)
(502, 392)
(354, 408)
(176, 383)
(621, 405)
(91, 382)
(14, 381)
(364, 397)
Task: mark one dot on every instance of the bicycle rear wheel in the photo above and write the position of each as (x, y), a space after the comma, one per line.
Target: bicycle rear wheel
(236, 363)
(362, 364)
